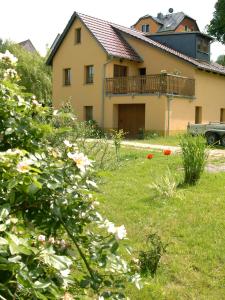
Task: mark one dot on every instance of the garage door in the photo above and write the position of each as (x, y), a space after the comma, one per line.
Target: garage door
(131, 118)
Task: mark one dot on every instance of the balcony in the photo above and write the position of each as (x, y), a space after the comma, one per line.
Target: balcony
(163, 84)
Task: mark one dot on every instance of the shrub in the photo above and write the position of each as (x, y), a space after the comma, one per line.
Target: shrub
(165, 186)
(117, 137)
(194, 156)
(53, 241)
(149, 259)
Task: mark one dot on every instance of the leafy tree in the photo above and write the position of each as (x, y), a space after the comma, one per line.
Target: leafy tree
(53, 242)
(221, 60)
(35, 75)
(217, 25)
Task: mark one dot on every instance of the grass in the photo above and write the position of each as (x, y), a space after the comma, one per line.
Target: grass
(193, 227)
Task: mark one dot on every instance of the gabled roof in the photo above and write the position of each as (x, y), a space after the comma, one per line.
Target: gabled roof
(213, 67)
(168, 22)
(110, 38)
(111, 41)
(172, 21)
(27, 45)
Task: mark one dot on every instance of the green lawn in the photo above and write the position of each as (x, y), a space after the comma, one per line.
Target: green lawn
(194, 226)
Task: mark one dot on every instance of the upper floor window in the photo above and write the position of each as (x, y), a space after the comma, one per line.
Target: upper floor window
(145, 28)
(67, 76)
(78, 36)
(203, 45)
(90, 74)
(119, 71)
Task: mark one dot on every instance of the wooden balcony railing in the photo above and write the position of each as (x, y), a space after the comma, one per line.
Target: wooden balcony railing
(168, 84)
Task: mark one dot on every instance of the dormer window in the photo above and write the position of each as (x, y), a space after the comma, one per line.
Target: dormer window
(203, 45)
(145, 28)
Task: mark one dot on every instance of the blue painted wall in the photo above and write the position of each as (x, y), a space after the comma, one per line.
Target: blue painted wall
(185, 43)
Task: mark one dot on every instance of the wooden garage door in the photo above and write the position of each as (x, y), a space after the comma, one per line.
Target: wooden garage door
(131, 118)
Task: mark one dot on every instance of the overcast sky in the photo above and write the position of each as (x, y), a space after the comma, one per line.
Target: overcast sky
(42, 20)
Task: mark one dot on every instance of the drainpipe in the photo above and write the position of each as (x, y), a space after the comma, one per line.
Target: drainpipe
(103, 91)
(169, 99)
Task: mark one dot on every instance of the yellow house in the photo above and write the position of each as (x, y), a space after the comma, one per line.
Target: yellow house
(122, 78)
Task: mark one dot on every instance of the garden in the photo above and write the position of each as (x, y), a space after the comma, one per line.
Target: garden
(89, 219)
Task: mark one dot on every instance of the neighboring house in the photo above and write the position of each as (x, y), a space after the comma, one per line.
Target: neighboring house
(27, 45)
(172, 22)
(124, 79)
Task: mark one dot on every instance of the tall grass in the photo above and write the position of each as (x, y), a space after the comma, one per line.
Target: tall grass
(194, 155)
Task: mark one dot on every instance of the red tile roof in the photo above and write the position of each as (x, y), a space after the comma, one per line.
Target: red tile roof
(113, 43)
(110, 37)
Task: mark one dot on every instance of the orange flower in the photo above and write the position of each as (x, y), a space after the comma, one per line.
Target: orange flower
(167, 152)
(149, 156)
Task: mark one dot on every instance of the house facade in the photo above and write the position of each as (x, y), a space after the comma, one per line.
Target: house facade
(126, 80)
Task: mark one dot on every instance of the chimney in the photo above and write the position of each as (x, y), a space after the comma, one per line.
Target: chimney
(160, 16)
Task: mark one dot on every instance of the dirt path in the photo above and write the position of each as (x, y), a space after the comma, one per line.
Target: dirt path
(175, 149)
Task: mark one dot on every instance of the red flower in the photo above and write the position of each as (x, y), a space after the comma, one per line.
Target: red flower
(149, 156)
(167, 152)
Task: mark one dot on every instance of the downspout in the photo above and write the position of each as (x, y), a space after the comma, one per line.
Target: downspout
(103, 92)
(169, 99)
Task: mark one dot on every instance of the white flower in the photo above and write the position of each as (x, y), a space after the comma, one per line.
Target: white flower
(51, 240)
(63, 243)
(67, 143)
(8, 57)
(36, 103)
(120, 232)
(10, 74)
(92, 183)
(24, 166)
(101, 298)
(41, 238)
(111, 228)
(65, 273)
(13, 152)
(55, 112)
(81, 160)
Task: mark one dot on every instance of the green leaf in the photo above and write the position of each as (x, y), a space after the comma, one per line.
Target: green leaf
(41, 284)
(9, 131)
(4, 211)
(3, 241)
(2, 227)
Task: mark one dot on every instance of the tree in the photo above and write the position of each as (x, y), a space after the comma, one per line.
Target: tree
(221, 60)
(35, 75)
(216, 28)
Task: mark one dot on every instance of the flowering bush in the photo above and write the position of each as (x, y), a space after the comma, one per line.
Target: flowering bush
(53, 242)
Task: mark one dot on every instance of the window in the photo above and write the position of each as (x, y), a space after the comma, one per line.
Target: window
(186, 28)
(203, 45)
(198, 114)
(145, 28)
(78, 36)
(120, 71)
(88, 113)
(90, 74)
(222, 115)
(67, 76)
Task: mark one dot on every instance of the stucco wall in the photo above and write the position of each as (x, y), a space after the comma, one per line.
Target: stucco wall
(210, 95)
(76, 57)
(155, 108)
(154, 26)
(156, 59)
